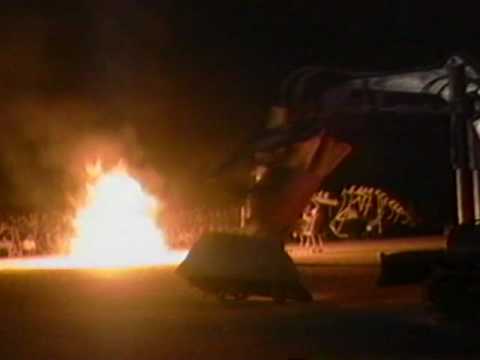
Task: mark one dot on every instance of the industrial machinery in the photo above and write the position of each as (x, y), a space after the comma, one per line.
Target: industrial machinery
(236, 266)
(450, 90)
(300, 147)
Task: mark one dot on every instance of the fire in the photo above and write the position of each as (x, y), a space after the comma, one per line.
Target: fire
(114, 228)
(117, 225)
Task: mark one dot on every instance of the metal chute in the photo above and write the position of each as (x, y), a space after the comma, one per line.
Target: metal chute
(238, 266)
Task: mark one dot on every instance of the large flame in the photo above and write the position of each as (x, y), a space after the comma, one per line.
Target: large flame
(117, 226)
(114, 228)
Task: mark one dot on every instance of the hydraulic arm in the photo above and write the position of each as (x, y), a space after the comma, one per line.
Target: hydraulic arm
(452, 89)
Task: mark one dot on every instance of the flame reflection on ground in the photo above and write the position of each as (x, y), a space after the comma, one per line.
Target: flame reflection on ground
(69, 262)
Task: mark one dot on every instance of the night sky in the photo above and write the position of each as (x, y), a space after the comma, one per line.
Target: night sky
(175, 86)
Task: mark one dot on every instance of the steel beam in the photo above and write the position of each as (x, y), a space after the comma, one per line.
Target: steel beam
(460, 140)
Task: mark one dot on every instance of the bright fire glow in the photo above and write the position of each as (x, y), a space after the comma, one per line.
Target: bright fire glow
(114, 228)
(117, 225)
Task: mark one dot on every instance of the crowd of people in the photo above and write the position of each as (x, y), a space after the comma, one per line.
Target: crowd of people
(183, 227)
(48, 233)
(34, 233)
(44, 233)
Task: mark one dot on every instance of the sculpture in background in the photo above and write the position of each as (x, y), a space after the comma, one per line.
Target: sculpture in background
(359, 211)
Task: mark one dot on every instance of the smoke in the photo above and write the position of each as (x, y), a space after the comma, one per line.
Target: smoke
(110, 80)
(46, 144)
(62, 103)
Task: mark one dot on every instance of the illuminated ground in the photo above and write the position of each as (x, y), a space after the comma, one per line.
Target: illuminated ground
(363, 251)
(152, 314)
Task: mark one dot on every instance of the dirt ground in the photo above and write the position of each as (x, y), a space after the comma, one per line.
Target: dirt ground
(153, 314)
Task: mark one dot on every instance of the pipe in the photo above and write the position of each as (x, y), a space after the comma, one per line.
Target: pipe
(459, 149)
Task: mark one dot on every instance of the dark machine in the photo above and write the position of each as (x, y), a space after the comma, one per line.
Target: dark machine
(451, 90)
(236, 266)
(300, 148)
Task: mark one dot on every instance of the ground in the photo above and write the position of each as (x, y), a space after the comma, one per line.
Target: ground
(153, 314)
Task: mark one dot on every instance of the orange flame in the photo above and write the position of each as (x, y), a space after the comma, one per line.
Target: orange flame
(117, 225)
(115, 228)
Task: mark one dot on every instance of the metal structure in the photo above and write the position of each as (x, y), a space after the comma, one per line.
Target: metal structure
(234, 267)
(374, 207)
(315, 98)
(452, 89)
(314, 102)
(299, 148)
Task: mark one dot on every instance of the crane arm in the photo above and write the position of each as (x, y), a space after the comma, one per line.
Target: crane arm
(418, 91)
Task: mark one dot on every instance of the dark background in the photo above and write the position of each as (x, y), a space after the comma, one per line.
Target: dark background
(175, 86)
